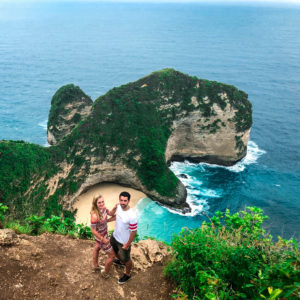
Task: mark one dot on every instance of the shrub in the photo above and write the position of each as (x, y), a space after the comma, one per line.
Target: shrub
(3, 209)
(69, 224)
(61, 230)
(39, 224)
(84, 232)
(19, 228)
(232, 258)
(54, 223)
(46, 227)
(36, 223)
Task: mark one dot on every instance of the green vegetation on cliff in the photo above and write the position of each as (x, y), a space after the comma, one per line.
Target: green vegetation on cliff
(128, 126)
(232, 258)
(20, 164)
(25, 169)
(136, 119)
(62, 106)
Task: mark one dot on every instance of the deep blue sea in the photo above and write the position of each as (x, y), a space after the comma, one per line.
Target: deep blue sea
(101, 45)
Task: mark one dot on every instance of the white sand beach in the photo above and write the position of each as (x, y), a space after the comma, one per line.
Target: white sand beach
(110, 192)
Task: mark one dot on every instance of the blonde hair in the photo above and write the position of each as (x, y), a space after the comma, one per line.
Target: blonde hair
(94, 209)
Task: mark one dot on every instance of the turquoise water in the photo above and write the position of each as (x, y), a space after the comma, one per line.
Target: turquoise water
(100, 45)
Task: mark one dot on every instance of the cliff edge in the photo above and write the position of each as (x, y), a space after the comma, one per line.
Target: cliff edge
(58, 267)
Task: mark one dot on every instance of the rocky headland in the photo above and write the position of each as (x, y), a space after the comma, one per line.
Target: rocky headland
(127, 136)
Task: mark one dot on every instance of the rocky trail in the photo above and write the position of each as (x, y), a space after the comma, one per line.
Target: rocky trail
(58, 267)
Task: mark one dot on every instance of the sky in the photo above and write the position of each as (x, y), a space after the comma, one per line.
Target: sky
(195, 1)
(279, 3)
(177, 1)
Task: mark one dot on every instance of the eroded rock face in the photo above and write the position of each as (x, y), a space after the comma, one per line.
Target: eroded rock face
(123, 175)
(68, 107)
(212, 140)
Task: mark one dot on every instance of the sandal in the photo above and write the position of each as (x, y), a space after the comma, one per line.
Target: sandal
(99, 268)
(104, 274)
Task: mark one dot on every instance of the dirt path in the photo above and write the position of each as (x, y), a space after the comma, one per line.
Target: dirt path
(59, 267)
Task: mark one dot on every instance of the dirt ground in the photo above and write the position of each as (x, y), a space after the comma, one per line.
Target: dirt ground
(59, 267)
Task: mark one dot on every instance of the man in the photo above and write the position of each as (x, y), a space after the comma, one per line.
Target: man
(125, 231)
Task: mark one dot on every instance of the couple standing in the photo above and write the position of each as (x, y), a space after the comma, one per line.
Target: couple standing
(120, 242)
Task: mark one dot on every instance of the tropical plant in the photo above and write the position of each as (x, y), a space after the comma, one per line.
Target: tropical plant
(231, 257)
(36, 222)
(3, 209)
(84, 232)
(19, 228)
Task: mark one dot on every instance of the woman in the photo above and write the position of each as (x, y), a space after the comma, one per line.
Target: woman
(99, 229)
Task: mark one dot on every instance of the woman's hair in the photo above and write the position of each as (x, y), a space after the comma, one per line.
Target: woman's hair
(94, 209)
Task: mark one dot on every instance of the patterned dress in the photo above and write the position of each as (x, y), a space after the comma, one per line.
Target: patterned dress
(101, 228)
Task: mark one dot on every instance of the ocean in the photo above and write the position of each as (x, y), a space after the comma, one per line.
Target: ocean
(98, 46)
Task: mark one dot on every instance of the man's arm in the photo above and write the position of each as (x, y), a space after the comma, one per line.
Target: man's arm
(131, 238)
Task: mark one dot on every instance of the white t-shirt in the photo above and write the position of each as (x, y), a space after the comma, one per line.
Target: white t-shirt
(126, 221)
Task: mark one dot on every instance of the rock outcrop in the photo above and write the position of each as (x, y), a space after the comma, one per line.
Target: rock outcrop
(128, 137)
(8, 237)
(66, 112)
(213, 140)
(145, 253)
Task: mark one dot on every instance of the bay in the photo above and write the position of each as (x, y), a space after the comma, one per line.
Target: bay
(101, 45)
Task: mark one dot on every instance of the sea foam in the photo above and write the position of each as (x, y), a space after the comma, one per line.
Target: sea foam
(253, 153)
(197, 194)
(43, 124)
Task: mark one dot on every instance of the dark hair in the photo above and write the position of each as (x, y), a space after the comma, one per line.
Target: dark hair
(125, 194)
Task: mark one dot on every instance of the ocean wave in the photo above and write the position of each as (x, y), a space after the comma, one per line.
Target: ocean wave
(158, 209)
(197, 194)
(253, 153)
(197, 208)
(208, 193)
(43, 124)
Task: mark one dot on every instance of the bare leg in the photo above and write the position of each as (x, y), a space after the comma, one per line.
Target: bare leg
(128, 266)
(96, 255)
(109, 260)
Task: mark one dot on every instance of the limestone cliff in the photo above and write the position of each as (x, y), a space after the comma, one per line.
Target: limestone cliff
(132, 132)
(66, 112)
(214, 139)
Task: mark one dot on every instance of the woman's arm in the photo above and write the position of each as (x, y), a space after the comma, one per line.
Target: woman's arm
(113, 218)
(94, 220)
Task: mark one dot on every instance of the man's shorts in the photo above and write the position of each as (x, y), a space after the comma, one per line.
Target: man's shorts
(123, 254)
(106, 247)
